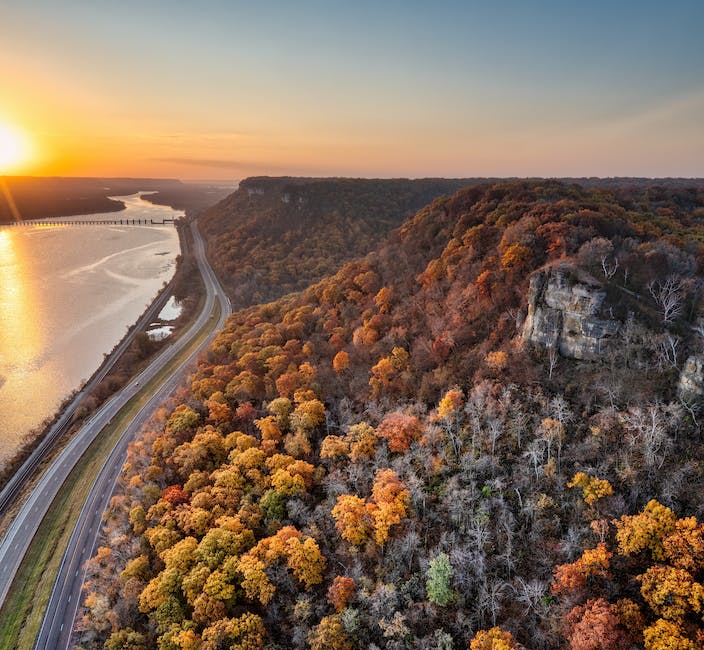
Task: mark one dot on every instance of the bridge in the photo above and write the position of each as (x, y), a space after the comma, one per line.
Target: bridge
(96, 222)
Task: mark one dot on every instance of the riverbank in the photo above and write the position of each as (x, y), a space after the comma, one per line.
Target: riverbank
(68, 295)
(128, 358)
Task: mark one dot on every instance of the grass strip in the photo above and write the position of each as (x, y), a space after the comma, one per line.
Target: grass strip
(22, 613)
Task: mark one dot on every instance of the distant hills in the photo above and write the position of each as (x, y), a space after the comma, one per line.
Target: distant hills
(46, 197)
(275, 235)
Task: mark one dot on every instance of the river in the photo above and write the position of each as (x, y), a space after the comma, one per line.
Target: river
(68, 294)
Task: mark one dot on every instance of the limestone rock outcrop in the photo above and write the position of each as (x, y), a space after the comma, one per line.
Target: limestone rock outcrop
(566, 312)
(691, 384)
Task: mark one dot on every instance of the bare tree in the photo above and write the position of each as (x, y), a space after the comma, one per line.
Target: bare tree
(491, 595)
(530, 593)
(668, 295)
(535, 455)
(609, 267)
(666, 346)
(552, 360)
(649, 432)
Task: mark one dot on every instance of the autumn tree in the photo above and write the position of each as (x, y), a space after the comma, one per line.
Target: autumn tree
(353, 518)
(400, 430)
(595, 626)
(646, 531)
(341, 361)
(329, 634)
(493, 639)
(391, 499)
(593, 563)
(245, 632)
(340, 592)
(592, 488)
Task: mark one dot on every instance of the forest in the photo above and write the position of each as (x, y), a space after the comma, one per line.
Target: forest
(278, 235)
(481, 432)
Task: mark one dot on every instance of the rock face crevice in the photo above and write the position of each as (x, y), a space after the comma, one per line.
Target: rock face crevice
(566, 312)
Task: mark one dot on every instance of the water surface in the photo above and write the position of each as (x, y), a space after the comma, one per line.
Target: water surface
(68, 294)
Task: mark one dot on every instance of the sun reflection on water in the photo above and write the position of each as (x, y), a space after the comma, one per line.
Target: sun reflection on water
(20, 338)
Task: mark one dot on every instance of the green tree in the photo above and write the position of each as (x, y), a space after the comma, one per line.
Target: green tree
(438, 578)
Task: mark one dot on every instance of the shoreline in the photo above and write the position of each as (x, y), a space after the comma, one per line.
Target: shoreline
(48, 433)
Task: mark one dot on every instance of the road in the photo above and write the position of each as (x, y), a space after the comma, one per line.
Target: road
(58, 621)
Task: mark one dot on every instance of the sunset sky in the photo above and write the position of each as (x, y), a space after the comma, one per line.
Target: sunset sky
(223, 90)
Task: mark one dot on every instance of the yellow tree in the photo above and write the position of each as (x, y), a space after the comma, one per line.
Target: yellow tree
(593, 488)
(352, 519)
(493, 639)
(646, 531)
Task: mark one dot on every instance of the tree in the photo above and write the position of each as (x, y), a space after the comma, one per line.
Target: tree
(595, 626)
(400, 430)
(126, 639)
(666, 635)
(305, 560)
(352, 519)
(668, 295)
(362, 441)
(646, 531)
(493, 639)
(245, 632)
(593, 563)
(450, 405)
(383, 299)
(684, 547)
(671, 593)
(334, 447)
(329, 634)
(183, 418)
(341, 361)
(438, 578)
(593, 488)
(391, 499)
(175, 495)
(516, 257)
(497, 361)
(340, 592)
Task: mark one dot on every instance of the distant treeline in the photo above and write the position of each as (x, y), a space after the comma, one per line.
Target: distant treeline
(36, 198)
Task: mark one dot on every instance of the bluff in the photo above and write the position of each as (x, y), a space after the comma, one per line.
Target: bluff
(566, 312)
(277, 235)
(379, 460)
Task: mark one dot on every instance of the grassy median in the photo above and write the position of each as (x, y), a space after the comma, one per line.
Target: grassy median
(22, 613)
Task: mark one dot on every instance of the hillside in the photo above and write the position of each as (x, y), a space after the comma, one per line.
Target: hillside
(278, 235)
(486, 431)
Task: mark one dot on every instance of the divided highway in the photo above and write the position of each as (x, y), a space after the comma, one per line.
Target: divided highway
(58, 621)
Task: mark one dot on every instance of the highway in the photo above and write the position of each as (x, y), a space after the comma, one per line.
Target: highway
(66, 595)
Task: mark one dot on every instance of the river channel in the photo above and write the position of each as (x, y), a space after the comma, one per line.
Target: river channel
(68, 294)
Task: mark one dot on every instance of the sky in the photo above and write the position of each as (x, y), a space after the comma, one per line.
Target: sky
(220, 89)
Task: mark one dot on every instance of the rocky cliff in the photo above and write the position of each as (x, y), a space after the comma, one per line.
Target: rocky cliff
(691, 384)
(566, 312)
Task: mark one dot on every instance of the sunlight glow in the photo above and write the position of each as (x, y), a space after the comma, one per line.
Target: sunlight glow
(13, 148)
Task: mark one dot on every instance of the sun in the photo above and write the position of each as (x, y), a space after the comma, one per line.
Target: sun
(13, 148)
